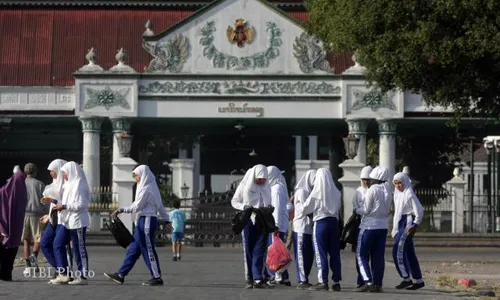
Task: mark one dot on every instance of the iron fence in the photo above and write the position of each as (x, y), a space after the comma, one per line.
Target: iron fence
(484, 215)
(438, 209)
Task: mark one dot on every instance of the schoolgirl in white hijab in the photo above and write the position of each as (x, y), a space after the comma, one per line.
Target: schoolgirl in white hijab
(375, 210)
(147, 205)
(408, 214)
(74, 220)
(52, 191)
(358, 202)
(324, 203)
(281, 203)
(303, 230)
(253, 192)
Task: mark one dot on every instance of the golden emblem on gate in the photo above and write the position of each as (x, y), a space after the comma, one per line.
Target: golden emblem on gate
(240, 33)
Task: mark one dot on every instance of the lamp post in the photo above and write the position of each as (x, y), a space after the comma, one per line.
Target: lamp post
(184, 190)
(351, 143)
(124, 143)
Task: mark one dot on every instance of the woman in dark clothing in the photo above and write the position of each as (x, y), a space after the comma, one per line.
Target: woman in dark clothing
(13, 200)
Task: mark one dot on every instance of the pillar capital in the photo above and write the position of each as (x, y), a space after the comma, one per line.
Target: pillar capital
(91, 123)
(357, 126)
(387, 127)
(120, 124)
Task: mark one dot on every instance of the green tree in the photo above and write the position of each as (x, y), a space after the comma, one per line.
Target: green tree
(448, 50)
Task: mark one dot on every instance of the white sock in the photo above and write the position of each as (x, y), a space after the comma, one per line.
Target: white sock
(407, 279)
(335, 282)
(420, 281)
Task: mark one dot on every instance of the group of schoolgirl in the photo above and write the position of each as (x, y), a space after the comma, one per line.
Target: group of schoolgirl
(316, 227)
(69, 197)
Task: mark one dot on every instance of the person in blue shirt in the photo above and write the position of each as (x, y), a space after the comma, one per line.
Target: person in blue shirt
(178, 218)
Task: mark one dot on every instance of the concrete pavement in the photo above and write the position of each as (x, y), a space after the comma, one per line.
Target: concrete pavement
(214, 273)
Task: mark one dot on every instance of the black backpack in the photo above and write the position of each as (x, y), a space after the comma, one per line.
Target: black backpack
(121, 234)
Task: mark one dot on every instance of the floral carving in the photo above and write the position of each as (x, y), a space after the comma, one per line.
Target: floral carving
(107, 98)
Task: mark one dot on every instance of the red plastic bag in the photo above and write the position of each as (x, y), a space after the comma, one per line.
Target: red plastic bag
(467, 282)
(278, 256)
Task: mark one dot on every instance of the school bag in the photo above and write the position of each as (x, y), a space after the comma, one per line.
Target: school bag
(278, 256)
(121, 234)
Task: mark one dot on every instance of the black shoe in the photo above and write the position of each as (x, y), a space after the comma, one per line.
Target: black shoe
(285, 283)
(115, 278)
(262, 285)
(154, 282)
(359, 285)
(303, 286)
(249, 285)
(415, 286)
(404, 284)
(336, 287)
(363, 289)
(174, 258)
(375, 289)
(319, 287)
(179, 258)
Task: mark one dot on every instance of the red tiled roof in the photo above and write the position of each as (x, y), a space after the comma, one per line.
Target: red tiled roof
(43, 47)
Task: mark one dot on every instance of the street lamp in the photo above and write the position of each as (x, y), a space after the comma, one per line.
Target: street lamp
(124, 143)
(351, 143)
(184, 190)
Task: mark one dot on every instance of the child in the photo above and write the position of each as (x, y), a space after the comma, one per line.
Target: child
(303, 230)
(358, 202)
(373, 232)
(324, 203)
(177, 217)
(408, 214)
(147, 205)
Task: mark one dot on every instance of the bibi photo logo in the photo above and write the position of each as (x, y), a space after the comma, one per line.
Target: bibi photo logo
(49, 272)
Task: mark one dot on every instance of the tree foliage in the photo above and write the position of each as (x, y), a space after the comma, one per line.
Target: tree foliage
(447, 50)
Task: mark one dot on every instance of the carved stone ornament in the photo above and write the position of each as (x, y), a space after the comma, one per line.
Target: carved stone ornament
(91, 124)
(169, 56)
(387, 127)
(373, 99)
(240, 33)
(92, 66)
(310, 55)
(149, 29)
(357, 69)
(357, 126)
(107, 98)
(240, 87)
(120, 124)
(258, 60)
(122, 67)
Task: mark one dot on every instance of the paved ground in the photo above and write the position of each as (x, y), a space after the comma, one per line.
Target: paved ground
(217, 273)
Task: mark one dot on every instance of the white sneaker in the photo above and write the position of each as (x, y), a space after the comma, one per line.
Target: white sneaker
(61, 279)
(78, 281)
(27, 272)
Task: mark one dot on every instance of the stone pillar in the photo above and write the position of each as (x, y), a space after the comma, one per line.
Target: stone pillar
(358, 127)
(387, 147)
(298, 147)
(123, 184)
(183, 173)
(313, 147)
(197, 166)
(457, 187)
(91, 128)
(350, 182)
(301, 167)
(119, 125)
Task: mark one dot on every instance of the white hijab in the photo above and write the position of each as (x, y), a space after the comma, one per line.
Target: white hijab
(276, 177)
(325, 190)
(401, 197)
(253, 194)
(55, 190)
(306, 182)
(365, 173)
(16, 169)
(147, 185)
(76, 188)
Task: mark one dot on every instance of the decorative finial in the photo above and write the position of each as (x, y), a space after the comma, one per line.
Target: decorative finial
(357, 69)
(92, 66)
(149, 29)
(121, 57)
(406, 170)
(122, 67)
(91, 56)
(457, 172)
